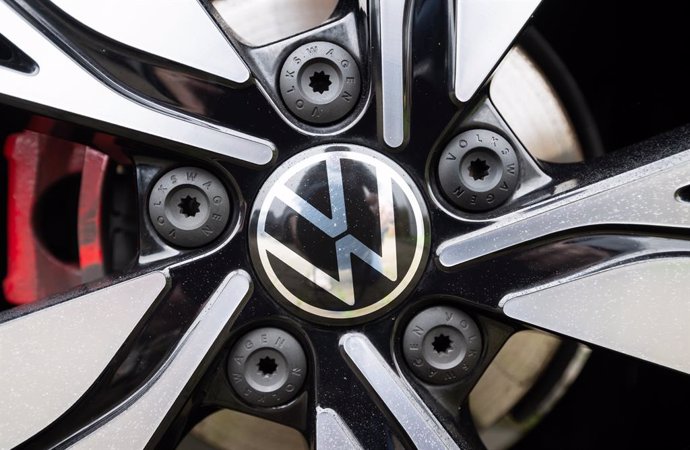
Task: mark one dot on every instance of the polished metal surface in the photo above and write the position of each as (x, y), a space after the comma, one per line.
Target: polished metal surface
(401, 401)
(60, 84)
(391, 38)
(484, 31)
(146, 410)
(643, 196)
(332, 432)
(301, 219)
(640, 309)
(178, 30)
(50, 357)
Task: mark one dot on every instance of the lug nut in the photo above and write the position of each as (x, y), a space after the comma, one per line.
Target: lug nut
(442, 345)
(189, 207)
(320, 82)
(478, 170)
(267, 367)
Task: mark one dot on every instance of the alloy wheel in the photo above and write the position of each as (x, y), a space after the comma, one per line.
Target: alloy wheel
(396, 233)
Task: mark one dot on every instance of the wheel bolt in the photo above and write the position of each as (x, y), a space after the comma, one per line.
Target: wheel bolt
(267, 367)
(478, 170)
(320, 82)
(442, 345)
(189, 207)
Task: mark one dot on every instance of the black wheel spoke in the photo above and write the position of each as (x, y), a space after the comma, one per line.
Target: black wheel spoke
(161, 398)
(398, 398)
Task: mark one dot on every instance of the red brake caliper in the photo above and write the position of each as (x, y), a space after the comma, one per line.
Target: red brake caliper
(35, 163)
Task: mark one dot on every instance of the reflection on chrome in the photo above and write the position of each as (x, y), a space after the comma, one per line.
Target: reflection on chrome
(343, 286)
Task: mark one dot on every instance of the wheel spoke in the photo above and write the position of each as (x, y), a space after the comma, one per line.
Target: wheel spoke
(388, 36)
(137, 424)
(332, 432)
(112, 358)
(606, 262)
(142, 24)
(50, 357)
(619, 308)
(645, 196)
(61, 86)
(478, 52)
(399, 398)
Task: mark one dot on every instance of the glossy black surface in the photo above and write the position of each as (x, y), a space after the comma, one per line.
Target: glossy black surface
(13, 58)
(476, 287)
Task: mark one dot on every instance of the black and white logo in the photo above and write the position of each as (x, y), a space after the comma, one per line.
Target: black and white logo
(339, 232)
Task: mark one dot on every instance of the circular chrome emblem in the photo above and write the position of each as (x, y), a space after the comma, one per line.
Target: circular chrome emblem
(339, 232)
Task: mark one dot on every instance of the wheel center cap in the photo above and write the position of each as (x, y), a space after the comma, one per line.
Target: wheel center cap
(339, 232)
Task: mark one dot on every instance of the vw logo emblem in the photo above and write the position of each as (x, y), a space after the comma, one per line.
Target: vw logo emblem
(339, 232)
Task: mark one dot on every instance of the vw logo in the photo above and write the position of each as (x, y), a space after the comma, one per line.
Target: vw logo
(339, 232)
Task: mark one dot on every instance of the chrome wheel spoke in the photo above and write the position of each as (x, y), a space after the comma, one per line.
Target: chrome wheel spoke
(332, 432)
(390, 37)
(136, 425)
(59, 85)
(184, 23)
(397, 396)
(367, 401)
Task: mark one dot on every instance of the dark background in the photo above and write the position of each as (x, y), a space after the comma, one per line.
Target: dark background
(629, 58)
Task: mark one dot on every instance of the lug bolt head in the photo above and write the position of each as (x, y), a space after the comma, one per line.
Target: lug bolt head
(320, 82)
(442, 345)
(478, 170)
(189, 207)
(267, 367)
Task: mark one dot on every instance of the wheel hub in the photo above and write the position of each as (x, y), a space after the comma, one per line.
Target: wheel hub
(339, 232)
